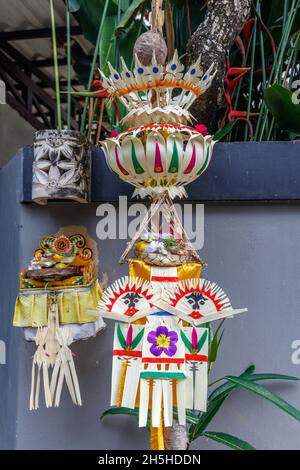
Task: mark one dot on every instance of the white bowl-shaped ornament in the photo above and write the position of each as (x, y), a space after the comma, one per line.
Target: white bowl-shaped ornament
(158, 158)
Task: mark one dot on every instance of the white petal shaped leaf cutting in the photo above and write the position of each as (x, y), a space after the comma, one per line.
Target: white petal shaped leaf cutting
(54, 154)
(113, 156)
(68, 177)
(111, 150)
(194, 158)
(40, 176)
(175, 154)
(67, 151)
(133, 158)
(156, 155)
(40, 152)
(66, 165)
(42, 164)
(54, 173)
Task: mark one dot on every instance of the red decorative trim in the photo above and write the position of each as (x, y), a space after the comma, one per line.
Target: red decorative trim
(164, 279)
(125, 172)
(122, 352)
(192, 162)
(162, 360)
(156, 126)
(196, 357)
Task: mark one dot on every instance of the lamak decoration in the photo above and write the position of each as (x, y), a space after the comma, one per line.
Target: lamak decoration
(163, 308)
(56, 291)
(160, 351)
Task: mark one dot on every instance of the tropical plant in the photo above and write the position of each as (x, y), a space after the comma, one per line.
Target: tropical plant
(264, 54)
(55, 64)
(198, 423)
(267, 53)
(284, 106)
(222, 388)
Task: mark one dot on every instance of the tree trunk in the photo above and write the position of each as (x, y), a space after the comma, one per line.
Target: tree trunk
(176, 437)
(213, 39)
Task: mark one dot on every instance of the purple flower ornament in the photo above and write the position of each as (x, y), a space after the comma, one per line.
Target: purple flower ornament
(163, 341)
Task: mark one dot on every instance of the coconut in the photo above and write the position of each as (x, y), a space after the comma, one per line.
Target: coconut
(149, 42)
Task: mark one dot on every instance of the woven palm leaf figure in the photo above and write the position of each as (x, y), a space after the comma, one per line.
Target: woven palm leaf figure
(160, 353)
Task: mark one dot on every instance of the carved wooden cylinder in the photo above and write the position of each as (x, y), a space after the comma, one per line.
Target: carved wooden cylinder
(61, 166)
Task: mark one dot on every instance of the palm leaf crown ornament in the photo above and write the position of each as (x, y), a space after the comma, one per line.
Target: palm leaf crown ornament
(160, 151)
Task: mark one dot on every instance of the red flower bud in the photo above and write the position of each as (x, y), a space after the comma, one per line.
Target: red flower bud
(96, 84)
(201, 128)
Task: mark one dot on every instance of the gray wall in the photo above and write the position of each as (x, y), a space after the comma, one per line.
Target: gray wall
(252, 251)
(14, 132)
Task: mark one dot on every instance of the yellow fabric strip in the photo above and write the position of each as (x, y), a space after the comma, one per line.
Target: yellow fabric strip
(157, 440)
(138, 268)
(122, 383)
(32, 309)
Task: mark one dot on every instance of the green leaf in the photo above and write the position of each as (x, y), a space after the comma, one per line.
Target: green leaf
(109, 108)
(204, 419)
(124, 4)
(127, 39)
(271, 376)
(202, 340)
(90, 14)
(186, 341)
(137, 339)
(286, 114)
(82, 93)
(228, 440)
(221, 133)
(121, 337)
(121, 410)
(295, 40)
(267, 394)
(129, 15)
(219, 395)
(215, 344)
(220, 338)
(224, 388)
(250, 369)
(215, 401)
(191, 416)
(106, 49)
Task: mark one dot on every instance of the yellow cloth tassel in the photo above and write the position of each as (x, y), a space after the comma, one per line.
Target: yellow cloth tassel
(138, 268)
(157, 440)
(31, 307)
(122, 382)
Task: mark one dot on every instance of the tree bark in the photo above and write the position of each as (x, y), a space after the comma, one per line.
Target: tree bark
(213, 39)
(176, 437)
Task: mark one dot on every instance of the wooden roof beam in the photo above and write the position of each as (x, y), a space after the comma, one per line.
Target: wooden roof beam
(37, 33)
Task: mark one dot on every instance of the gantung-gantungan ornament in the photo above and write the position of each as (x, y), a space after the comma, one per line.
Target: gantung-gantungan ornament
(160, 353)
